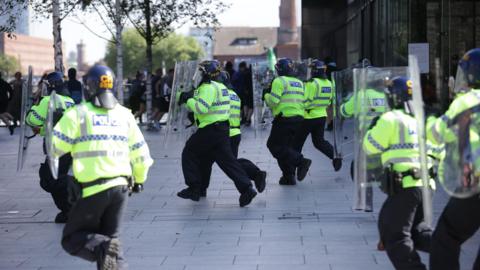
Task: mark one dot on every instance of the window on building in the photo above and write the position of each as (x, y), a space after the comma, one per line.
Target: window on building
(243, 41)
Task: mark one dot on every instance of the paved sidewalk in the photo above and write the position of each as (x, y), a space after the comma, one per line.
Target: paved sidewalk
(308, 226)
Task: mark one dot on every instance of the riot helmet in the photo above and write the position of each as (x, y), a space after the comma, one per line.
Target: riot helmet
(468, 72)
(399, 92)
(54, 81)
(99, 83)
(285, 67)
(319, 69)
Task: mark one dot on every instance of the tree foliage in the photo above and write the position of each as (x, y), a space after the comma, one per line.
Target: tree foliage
(8, 64)
(170, 49)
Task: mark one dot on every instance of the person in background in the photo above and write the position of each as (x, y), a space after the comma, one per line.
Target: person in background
(14, 107)
(137, 99)
(156, 97)
(229, 68)
(5, 94)
(74, 86)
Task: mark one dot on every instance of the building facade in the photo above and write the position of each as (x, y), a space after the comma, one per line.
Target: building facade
(382, 30)
(29, 51)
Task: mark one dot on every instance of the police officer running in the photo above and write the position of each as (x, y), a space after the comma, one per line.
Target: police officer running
(210, 103)
(110, 157)
(36, 119)
(318, 91)
(461, 217)
(254, 173)
(401, 220)
(286, 98)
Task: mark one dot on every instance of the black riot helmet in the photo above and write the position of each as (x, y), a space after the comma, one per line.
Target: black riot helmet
(319, 69)
(54, 81)
(399, 92)
(99, 83)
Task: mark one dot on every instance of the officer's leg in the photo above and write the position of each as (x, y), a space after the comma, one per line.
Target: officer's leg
(458, 222)
(276, 145)
(80, 234)
(228, 163)
(398, 213)
(206, 173)
(318, 130)
(112, 217)
(421, 232)
(301, 136)
(192, 156)
(235, 144)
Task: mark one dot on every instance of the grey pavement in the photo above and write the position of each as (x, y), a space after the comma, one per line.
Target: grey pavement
(308, 226)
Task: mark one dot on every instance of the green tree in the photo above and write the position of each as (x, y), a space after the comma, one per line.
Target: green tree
(8, 65)
(168, 50)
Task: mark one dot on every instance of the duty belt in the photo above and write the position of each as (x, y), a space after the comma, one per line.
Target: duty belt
(101, 181)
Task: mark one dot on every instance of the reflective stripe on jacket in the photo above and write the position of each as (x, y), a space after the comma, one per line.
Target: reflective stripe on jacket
(37, 115)
(235, 110)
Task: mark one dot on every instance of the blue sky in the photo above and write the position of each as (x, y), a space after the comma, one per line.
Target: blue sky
(241, 13)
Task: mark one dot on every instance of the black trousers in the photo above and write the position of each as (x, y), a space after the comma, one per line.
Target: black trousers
(213, 143)
(315, 127)
(64, 190)
(403, 230)
(93, 221)
(459, 221)
(249, 167)
(281, 144)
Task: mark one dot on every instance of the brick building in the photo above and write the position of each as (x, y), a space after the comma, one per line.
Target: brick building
(29, 51)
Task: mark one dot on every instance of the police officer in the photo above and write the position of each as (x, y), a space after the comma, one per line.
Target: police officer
(254, 173)
(401, 221)
(210, 104)
(286, 98)
(461, 217)
(36, 117)
(110, 156)
(318, 93)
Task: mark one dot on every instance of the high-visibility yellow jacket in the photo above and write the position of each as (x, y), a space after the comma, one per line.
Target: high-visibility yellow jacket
(103, 144)
(37, 115)
(210, 104)
(395, 137)
(318, 94)
(375, 102)
(287, 97)
(235, 109)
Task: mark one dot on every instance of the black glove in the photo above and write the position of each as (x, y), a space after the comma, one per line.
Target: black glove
(184, 96)
(374, 122)
(57, 115)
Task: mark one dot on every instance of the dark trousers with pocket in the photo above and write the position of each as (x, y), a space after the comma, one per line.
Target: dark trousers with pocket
(316, 128)
(403, 229)
(207, 145)
(249, 167)
(459, 221)
(281, 144)
(94, 220)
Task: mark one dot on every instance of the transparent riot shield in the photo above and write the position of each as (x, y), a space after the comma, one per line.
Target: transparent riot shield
(262, 77)
(417, 106)
(26, 132)
(369, 103)
(343, 112)
(180, 122)
(54, 113)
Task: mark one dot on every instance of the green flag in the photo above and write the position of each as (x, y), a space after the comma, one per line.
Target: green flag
(271, 59)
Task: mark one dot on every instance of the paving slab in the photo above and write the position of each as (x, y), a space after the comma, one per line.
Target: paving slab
(307, 226)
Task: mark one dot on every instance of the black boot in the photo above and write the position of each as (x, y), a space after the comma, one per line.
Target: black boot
(337, 164)
(189, 193)
(287, 181)
(260, 181)
(302, 169)
(247, 197)
(203, 193)
(107, 254)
